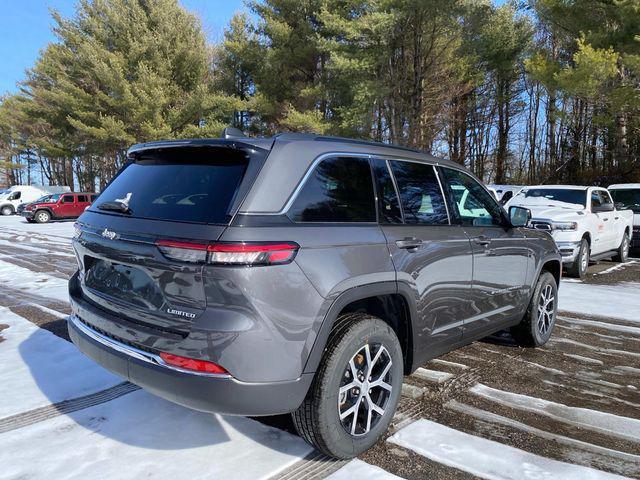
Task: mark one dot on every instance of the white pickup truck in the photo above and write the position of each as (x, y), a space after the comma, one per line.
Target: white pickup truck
(583, 221)
(627, 196)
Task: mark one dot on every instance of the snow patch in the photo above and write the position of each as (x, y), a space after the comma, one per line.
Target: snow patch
(143, 436)
(357, 469)
(434, 376)
(607, 423)
(616, 301)
(37, 368)
(20, 278)
(485, 458)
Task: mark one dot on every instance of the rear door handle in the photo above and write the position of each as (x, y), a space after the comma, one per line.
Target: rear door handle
(605, 219)
(409, 243)
(482, 240)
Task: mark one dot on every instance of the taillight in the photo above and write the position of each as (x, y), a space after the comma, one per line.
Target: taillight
(183, 251)
(244, 253)
(252, 253)
(192, 364)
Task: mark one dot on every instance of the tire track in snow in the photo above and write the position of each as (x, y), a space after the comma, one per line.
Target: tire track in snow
(63, 408)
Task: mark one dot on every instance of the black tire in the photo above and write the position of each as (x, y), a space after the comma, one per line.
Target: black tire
(534, 331)
(42, 216)
(318, 421)
(622, 254)
(7, 210)
(578, 268)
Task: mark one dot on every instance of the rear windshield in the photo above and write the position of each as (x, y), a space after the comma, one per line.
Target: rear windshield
(182, 184)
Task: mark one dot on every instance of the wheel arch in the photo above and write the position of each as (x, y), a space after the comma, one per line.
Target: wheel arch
(554, 267)
(381, 299)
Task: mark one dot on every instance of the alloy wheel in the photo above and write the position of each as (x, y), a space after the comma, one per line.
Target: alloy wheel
(584, 257)
(546, 309)
(365, 389)
(625, 248)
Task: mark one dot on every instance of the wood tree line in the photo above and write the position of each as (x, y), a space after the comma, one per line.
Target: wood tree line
(540, 91)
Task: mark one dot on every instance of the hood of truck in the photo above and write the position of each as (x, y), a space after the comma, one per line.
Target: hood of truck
(555, 213)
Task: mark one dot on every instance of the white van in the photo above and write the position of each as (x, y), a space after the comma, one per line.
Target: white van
(19, 194)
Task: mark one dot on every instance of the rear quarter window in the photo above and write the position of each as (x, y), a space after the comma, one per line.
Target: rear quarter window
(339, 189)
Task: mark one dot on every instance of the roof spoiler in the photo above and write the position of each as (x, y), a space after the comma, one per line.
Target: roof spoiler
(231, 132)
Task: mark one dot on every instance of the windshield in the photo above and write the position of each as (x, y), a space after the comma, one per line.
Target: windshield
(630, 198)
(569, 197)
(184, 185)
(43, 199)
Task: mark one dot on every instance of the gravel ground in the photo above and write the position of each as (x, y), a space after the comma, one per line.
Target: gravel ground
(591, 363)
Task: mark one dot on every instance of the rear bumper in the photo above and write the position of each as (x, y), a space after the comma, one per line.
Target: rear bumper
(205, 392)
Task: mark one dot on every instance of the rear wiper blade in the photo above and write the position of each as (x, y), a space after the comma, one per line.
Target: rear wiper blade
(115, 207)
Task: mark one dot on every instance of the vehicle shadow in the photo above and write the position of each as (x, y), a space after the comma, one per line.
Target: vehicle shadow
(138, 418)
(502, 338)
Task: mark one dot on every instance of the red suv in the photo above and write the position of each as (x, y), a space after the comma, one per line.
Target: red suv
(58, 206)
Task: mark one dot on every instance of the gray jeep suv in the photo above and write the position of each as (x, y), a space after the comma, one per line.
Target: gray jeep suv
(301, 274)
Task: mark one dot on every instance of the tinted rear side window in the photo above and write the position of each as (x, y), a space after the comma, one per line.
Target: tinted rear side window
(82, 198)
(388, 204)
(184, 185)
(420, 194)
(339, 190)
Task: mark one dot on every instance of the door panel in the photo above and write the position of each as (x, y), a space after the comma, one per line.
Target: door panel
(612, 231)
(438, 271)
(66, 206)
(500, 254)
(500, 261)
(431, 257)
(602, 240)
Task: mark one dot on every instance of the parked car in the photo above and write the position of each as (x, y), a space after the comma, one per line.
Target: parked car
(22, 206)
(301, 274)
(19, 194)
(505, 192)
(627, 196)
(58, 207)
(583, 221)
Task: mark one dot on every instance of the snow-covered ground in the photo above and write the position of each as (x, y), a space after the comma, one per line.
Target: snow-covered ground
(615, 301)
(37, 368)
(63, 416)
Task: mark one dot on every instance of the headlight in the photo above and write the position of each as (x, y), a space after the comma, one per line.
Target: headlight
(564, 225)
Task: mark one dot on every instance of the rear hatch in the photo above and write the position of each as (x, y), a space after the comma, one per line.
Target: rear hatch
(168, 195)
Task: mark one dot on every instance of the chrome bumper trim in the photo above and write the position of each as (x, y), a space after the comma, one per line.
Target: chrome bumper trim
(135, 352)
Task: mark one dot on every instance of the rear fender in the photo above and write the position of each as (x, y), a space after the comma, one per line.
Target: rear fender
(349, 296)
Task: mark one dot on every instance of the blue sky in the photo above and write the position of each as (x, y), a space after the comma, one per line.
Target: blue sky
(25, 29)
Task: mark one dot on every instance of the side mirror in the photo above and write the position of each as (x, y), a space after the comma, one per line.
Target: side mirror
(620, 206)
(519, 216)
(605, 207)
